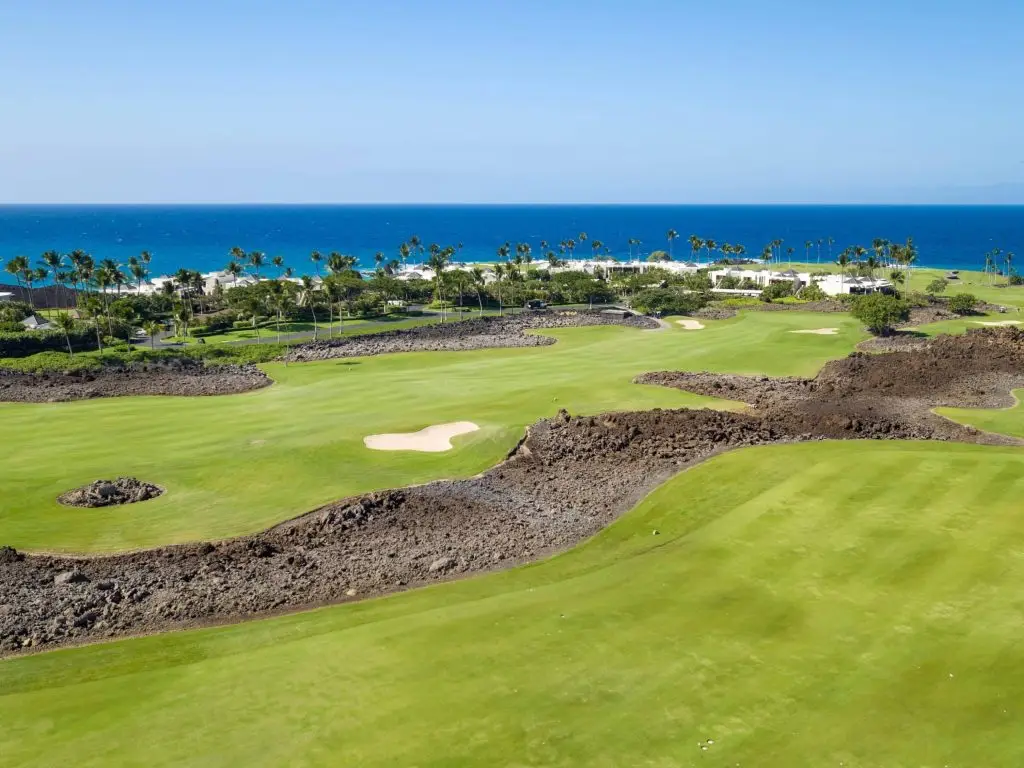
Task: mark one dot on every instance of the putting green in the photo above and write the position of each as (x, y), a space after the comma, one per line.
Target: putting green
(816, 604)
(1005, 421)
(238, 464)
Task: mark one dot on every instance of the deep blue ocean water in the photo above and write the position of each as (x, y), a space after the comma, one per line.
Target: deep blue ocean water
(199, 237)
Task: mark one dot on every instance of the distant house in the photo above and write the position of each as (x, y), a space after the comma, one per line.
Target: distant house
(36, 323)
(838, 285)
(6, 296)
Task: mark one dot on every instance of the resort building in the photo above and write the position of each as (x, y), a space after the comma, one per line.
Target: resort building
(838, 285)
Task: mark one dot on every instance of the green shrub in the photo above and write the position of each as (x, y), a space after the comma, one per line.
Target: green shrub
(11, 326)
(963, 303)
(1016, 280)
(25, 343)
(880, 312)
(738, 302)
(776, 291)
(937, 286)
(14, 312)
(813, 292)
(668, 301)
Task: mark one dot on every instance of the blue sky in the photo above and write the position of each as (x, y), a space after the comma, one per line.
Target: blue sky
(527, 101)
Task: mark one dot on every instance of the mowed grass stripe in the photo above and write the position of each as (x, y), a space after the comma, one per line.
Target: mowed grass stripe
(630, 649)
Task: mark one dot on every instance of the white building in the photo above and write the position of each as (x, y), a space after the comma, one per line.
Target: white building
(5, 296)
(838, 285)
(761, 278)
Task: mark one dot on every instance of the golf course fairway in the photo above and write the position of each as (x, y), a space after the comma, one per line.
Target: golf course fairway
(820, 604)
(237, 464)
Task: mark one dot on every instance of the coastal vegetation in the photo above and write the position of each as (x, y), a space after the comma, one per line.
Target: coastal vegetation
(107, 297)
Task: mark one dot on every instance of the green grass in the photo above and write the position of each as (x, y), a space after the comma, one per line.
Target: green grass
(821, 604)
(970, 322)
(238, 464)
(268, 330)
(1005, 421)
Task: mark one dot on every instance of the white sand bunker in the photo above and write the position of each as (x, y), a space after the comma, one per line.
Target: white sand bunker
(691, 325)
(433, 439)
(820, 331)
(998, 322)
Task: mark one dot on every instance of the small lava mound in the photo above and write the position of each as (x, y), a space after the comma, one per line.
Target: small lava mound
(107, 493)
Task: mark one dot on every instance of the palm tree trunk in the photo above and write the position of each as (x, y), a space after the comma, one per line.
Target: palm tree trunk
(67, 338)
(313, 312)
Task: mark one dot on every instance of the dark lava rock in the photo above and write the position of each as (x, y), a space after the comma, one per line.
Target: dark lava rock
(105, 493)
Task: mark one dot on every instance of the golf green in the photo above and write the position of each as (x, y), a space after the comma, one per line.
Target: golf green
(818, 604)
(1006, 421)
(238, 464)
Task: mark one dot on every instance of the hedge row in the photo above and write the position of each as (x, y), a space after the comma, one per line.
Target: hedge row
(33, 342)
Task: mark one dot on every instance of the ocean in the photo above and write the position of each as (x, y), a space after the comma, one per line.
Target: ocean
(200, 237)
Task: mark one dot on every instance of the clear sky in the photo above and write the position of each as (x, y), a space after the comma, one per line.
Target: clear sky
(505, 101)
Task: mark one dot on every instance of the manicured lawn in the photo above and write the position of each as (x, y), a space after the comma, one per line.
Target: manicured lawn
(822, 604)
(268, 330)
(238, 464)
(970, 322)
(1006, 421)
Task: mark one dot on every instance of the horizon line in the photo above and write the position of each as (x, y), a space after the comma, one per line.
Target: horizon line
(414, 204)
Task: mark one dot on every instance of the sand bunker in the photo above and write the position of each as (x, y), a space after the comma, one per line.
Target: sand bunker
(433, 439)
(820, 331)
(691, 325)
(998, 323)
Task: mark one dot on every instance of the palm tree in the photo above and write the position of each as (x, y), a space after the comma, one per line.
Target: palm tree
(570, 245)
(671, 236)
(766, 255)
(553, 260)
(477, 274)
(65, 323)
(897, 277)
(17, 267)
(696, 244)
(139, 272)
(843, 261)
(583, 237)
(438, 261)
(596, 246)
(1009, 266)
(499, 273)
(712, 246)
(278, 261)
(234, 269)
(807, 251)
(316, 257)
(403, 253)
(831, 242)
(256, 260)
(237, 254)
(153, 329)
(53, 261)
(820, 241)
(378, 258)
